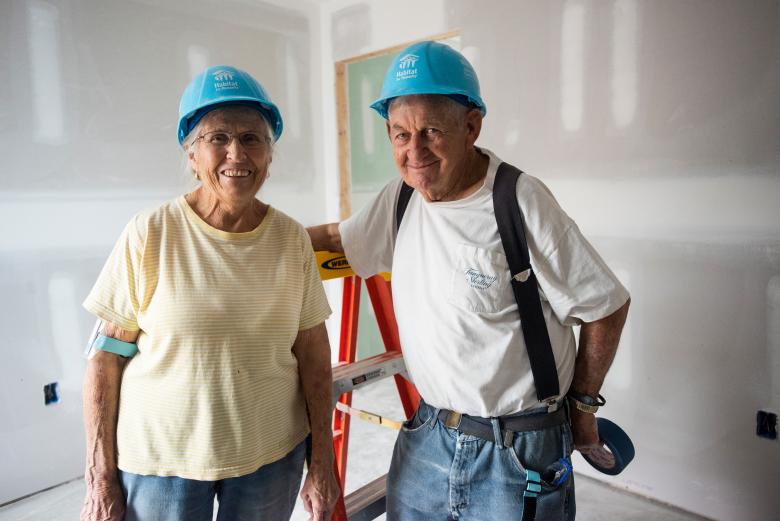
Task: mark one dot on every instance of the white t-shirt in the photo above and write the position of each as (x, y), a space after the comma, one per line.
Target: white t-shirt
(457, 317)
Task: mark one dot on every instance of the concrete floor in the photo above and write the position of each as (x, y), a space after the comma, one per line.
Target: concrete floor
(595, 500)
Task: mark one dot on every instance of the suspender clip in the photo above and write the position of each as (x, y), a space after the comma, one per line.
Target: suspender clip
(522, 276)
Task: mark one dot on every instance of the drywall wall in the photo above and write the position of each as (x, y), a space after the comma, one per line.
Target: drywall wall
(656, 126)
(88, 113)
(654, 123)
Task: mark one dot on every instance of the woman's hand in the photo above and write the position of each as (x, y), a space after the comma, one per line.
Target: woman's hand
(104, 500)
(320, 492)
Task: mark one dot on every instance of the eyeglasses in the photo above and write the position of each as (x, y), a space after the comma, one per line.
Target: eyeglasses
(248, 140)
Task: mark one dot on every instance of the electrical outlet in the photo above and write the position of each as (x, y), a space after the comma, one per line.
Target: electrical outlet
(766, 425)
(51, 393)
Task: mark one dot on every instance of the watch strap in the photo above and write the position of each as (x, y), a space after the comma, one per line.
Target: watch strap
(586, 403)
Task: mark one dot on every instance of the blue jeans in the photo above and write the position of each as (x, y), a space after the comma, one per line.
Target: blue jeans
(438, 474)
(268, 494)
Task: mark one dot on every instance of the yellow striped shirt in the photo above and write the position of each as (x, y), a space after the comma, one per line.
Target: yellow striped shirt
(214, 390)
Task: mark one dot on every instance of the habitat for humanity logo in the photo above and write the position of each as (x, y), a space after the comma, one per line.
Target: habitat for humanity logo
(223, 79)
(406, 67)
(479, 280)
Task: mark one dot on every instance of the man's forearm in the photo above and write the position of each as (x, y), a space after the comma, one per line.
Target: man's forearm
(598, 344)
(325, 237)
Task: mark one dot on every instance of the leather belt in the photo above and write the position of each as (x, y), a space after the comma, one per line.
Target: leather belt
(483, 427)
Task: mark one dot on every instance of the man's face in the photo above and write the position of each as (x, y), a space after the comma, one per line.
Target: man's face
(431, 141)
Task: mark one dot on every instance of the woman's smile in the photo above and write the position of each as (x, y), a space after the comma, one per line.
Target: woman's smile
(236, 172)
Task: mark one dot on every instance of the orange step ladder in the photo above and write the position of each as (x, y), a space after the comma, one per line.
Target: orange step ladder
(367, 502)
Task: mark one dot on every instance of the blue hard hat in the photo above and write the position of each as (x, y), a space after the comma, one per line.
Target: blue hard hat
(224, 85)
(430, 68)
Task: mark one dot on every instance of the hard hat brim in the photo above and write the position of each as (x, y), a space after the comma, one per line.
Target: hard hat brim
(269, 111)
(222, 85)
(381, 104)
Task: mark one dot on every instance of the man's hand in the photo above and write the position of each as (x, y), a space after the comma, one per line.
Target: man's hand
(320, 492)
(104, 501)
(587, 440)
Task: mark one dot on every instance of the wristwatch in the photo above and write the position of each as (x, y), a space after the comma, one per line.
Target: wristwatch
(585, 403)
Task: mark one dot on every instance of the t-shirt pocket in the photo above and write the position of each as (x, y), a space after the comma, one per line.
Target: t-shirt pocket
(480, 280)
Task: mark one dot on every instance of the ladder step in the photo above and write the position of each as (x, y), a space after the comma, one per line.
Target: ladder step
(376, 419)
(348, 377)
(367, 502)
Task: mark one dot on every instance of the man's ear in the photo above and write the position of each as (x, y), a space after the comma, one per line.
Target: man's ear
(473, 125)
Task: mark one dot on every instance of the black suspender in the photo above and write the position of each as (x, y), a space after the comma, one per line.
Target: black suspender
(524, 284)
(403, 201)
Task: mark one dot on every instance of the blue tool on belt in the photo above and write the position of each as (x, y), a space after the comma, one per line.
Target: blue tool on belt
(616, 450)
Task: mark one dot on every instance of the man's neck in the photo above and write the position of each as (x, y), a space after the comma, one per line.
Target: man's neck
(470, 180)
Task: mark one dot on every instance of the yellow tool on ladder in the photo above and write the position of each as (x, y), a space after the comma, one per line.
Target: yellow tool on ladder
(334, 265)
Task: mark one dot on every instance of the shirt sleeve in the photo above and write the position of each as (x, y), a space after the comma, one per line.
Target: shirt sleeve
(575, 280)
(368, 237)
(114, 297)
(314, 307)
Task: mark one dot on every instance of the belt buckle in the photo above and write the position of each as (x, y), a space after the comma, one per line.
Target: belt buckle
(453, 419)
(508, 438)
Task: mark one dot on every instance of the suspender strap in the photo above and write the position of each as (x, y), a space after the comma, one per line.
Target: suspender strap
(511, 228)
(403, 201)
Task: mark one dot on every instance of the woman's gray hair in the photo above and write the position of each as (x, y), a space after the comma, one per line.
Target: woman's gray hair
(190, 139)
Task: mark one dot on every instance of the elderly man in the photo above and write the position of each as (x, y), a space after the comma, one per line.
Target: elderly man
(493, 436)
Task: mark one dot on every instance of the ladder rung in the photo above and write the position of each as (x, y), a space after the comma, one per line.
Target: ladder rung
(348, 377)
(367, 502)
(376, 419)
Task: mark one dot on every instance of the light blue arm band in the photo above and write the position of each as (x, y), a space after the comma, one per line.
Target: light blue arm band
(112, 345)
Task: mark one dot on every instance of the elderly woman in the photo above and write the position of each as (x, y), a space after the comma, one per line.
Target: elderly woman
(212, 365)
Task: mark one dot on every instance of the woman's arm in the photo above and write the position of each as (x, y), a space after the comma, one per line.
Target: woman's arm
(104, 499)
(320, 490)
